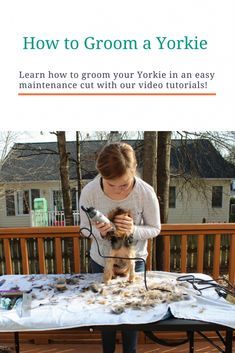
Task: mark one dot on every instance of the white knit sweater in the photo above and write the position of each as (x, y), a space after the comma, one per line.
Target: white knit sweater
(142, 202)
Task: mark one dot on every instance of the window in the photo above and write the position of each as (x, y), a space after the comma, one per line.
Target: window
(10, 203)
(23, 205)
(172, 197)
(217, 196)
(74, 199)
(35, 194)
(20, 202)
(58, 199)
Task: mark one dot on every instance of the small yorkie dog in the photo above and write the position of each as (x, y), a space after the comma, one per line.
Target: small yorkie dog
(122, 249)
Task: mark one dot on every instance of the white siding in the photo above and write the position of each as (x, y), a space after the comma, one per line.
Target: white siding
(24, 220)
(194, 204)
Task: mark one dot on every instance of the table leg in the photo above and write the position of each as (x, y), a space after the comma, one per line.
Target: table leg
(17, 342)
(229, 341)
(191, 341)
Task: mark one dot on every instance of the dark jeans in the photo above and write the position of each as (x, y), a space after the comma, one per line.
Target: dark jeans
(129, 338)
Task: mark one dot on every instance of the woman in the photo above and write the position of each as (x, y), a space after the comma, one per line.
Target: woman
(118, 186)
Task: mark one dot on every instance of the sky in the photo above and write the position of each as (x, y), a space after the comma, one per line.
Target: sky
(47, 136)
(8, 138)
(36, 136)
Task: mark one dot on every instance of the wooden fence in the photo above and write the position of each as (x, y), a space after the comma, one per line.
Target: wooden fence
(61, 249)
(219, 256)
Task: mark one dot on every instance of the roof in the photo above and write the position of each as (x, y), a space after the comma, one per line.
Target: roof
(40, 161)
(199, 158)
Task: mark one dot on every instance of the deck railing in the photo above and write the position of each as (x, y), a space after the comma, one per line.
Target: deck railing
(201, 232)
(21, 248)
(51, 218)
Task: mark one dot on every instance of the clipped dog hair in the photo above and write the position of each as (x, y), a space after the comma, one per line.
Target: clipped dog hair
(6, 349)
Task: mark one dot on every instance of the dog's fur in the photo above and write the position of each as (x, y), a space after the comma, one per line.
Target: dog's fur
(122, 246)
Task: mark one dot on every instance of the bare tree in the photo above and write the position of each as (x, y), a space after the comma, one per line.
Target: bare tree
(231, 155)
(64, 174)
(223, 141)
(163, 172)
(150, 158)
(79, 169)
(150, 173)
(163, 184)
(7, 138)
(190, 148)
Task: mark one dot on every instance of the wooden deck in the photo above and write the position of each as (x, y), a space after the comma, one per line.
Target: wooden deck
(57, 234)
(73, 343)
(200, 347)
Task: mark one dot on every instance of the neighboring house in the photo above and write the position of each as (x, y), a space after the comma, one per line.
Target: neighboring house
(233, 189)
(199, 188)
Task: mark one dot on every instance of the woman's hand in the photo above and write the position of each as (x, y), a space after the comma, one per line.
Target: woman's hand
(103, 228)
(124, 223)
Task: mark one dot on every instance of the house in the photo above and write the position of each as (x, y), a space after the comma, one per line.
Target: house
(199, 188)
